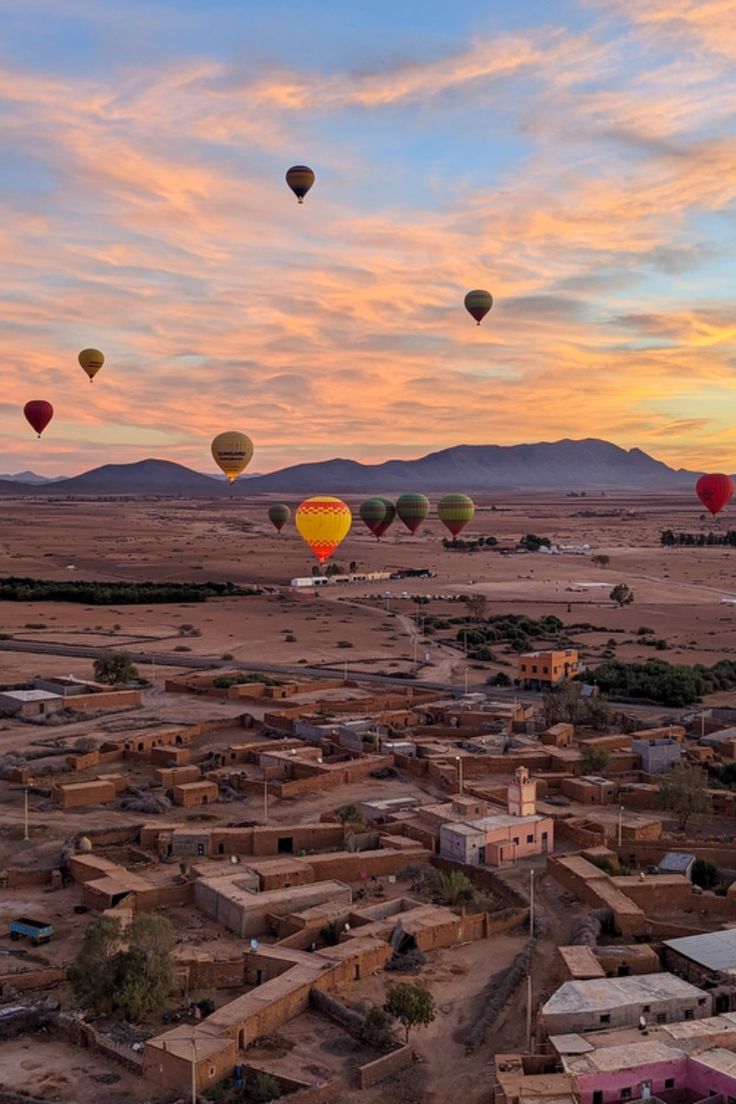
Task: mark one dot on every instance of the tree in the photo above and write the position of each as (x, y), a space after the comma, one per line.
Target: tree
(705, 874)
(684, 791)
(125, 970)
(622, 595)
(595, 759)
(412, 1005)
(601, 560)
(115, 669)
(477, 606)
(451, 887)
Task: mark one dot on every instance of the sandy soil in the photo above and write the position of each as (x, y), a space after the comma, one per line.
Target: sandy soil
(50, 1069)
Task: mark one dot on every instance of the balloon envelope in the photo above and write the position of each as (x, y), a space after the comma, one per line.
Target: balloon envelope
(300, 179)
(91, 360)
(714, 491)
(323, 523)
(373, 513)
(278, 515)
(233, 453)
(455, 511)
(412, 509)
(38, 414)
(478, 303)
(389, 519)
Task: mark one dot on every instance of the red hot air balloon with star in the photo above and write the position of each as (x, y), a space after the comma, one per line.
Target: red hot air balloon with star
(714, 491)
(38, 414)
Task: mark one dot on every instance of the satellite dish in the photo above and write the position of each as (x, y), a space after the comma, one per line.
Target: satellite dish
(234, 860)
(254, 944)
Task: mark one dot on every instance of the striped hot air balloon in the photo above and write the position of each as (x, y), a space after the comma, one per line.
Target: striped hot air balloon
(323, 523)
(300, 179)
(279, 515)
(455, 511)
(478, 303)
(373, 513)
(413, 509)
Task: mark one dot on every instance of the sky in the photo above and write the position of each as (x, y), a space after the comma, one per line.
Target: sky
(577, 159)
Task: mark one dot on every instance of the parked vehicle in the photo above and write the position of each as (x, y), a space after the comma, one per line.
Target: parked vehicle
(38, 931)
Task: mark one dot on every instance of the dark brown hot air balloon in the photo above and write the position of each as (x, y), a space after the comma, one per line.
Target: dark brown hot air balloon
(278, 515)
(478, 303)
(300, 179)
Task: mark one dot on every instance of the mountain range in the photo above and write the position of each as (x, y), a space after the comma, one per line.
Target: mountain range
(559, 465)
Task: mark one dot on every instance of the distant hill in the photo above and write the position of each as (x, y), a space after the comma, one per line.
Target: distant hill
(559, 465)
(146, 477)
(31, 478)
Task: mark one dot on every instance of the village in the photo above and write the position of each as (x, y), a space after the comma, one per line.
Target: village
(565, 897)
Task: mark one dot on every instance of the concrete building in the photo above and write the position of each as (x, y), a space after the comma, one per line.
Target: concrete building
(542, 670)
(708, 959)
(30, 703)
(503, 838)
(659, 755)
(600, 1004)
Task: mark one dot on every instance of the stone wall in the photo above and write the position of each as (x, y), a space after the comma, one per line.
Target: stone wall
(372, 1073)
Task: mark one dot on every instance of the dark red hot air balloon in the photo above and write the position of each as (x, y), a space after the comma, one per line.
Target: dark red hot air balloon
(38, 414)
(714, 491)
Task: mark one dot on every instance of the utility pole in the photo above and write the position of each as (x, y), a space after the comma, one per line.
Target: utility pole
(265, 799)
(529, 986)
(153, 672)
(194, 1069)
(466, 678)
(459, 762)
(620, 824)
(26, 833)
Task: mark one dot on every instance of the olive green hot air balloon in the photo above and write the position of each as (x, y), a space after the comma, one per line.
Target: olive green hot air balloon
(413, 509)
(455, 511)
(389, 519)
(478, 303)
(373, 513)
(279, 515)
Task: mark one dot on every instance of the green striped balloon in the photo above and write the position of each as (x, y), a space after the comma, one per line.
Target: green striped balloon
(413, 509)
(455, 511)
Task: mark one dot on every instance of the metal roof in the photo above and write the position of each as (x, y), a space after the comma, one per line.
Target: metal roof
(676, 862)
(714, 950)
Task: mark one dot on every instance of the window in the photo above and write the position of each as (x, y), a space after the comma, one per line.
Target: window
(598, 1097)
(670, 1084)
(701, 1001)
(647, 1008)
(605, 1018)
(515, 840)
(534, 668)
(689, 1013)
(530, 839)
(661, 1017)
(626, 1094)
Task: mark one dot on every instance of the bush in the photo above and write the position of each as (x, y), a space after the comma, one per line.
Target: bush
(344, 644)
(705, 874)
(115, 669)
(16, 589)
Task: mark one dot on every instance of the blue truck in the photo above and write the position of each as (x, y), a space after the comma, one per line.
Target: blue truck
(38, 931)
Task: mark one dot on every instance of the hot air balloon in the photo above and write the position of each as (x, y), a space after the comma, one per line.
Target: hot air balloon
(455, 511)
(91, 360)
(300, 179)
(323, 523)
(389, 519)
(38, 414)
(278, 515)
(412, 509)
(714, 491)
(233, 453)
(373, 513)
(478, 303)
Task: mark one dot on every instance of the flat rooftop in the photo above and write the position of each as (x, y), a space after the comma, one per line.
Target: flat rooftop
(631, 1056)
(602, 994)
(714, 950)
(30, 695)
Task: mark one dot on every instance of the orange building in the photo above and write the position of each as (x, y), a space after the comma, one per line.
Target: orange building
(541, 670)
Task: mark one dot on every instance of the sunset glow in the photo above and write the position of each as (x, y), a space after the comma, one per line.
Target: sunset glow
(575, 159)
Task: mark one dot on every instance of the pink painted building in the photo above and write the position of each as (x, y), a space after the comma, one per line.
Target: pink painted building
(501, 839)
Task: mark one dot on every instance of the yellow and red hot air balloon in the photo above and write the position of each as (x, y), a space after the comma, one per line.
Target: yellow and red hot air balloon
(323, 523)
(232, 453)
(91, 360)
